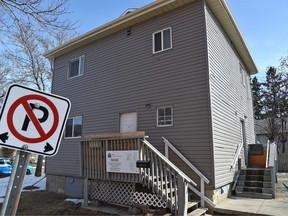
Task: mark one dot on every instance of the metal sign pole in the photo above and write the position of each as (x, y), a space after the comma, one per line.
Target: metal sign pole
(14, 188)
(49, 127)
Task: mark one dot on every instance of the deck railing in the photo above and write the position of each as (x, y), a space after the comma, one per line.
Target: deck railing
(161, 175)
(94, 158)
(165, 179)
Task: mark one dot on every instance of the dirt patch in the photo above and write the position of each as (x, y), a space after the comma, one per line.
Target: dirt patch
(49, 203)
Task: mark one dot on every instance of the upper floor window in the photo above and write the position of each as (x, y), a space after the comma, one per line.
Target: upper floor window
(242, 76)
(162, 40)
(76, 67)
(73, 127)
(165, 116)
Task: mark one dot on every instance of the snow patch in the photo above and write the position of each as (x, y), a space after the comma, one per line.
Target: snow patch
(282, 174)
(29, 180)
(75, 201)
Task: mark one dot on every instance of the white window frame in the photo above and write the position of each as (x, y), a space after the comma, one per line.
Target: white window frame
(172, 117)
(162, 41)
(81, 60)
(72, 137)
(243, 75)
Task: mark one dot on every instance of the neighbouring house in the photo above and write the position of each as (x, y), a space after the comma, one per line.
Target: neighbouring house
(262, 131)
(176, 69)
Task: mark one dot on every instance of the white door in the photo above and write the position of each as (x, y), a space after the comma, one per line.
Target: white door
(128, 122)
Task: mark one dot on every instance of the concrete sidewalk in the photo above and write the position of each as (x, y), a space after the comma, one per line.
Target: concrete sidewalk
(250, 206)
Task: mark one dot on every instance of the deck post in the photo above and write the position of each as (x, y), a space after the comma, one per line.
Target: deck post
(202, 192)
(182, 196)
(166, 150)
(85, 192)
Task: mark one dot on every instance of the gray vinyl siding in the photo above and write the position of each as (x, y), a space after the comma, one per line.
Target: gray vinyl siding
(230, 101)
(122, 75)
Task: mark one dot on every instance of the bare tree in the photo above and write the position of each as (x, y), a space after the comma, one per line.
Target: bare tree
(25, 57)
(27, 64)
(271, 127)
(4, 71)
(23, 17)
(29, 28)
(46, 15)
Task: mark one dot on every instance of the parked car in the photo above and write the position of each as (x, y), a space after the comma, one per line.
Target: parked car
(6, 165)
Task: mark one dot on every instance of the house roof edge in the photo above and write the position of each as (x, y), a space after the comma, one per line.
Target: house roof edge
(140, 15)
(232, 30)
(219, 8)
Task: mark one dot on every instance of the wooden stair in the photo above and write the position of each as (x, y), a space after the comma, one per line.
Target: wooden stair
(192, 207)
(170, 184)
(254, 183)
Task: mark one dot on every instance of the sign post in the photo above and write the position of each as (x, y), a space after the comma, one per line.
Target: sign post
(14, 188)
(30, 121)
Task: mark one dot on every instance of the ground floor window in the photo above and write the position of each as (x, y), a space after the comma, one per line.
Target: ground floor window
(165, 116)
(74, 127)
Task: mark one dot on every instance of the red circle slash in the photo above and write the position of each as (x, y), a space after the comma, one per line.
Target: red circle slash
(24, 102)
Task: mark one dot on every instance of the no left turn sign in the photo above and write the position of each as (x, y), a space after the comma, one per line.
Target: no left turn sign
(32, 120)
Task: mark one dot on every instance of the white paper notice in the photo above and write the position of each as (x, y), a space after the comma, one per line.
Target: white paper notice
(122, 161)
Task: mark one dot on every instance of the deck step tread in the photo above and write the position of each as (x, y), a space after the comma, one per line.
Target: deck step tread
(254, 178)
(254, 190)
(255, 175)
(240, 186)
(254, 195)
(250, 181)
(197, 212)
(192, 204)
(254, 184)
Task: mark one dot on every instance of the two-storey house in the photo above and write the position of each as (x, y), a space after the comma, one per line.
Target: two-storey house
(177, 69)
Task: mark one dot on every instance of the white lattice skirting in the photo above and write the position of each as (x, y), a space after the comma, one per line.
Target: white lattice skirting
(148, 200)
(122, 193)
(111, 192)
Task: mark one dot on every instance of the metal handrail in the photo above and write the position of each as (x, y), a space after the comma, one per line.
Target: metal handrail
(236, 180)
(238, 151)
(186, 161)
(267, 152)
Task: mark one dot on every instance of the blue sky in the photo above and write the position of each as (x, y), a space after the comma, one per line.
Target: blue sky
(261, 22)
